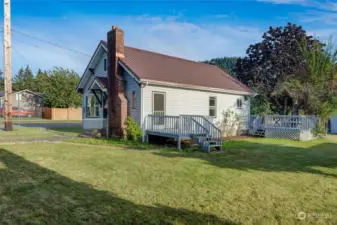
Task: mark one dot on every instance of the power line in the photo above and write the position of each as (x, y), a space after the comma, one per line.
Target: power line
(51, 43)
(36, 46)
(22, 56)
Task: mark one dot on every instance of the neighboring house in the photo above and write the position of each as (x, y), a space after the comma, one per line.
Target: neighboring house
(143, 83)
(26, 101)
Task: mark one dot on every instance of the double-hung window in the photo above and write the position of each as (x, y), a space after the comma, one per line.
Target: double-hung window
(134, 100)
(92, 106)
(212, 106)
(105, 65)
(158, 103)
(239, 103)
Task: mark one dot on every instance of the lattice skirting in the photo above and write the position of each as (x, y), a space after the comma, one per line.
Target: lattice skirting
(291, 134)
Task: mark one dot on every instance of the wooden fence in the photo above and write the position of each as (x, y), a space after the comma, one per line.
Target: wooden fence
(62, 114)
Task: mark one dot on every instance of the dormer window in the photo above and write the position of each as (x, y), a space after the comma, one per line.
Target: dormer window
(105, 65)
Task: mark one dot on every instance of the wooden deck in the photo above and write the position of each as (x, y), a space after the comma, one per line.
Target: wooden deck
(198, 128)
(172, 132)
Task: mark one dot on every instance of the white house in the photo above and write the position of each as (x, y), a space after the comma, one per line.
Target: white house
(122, 81)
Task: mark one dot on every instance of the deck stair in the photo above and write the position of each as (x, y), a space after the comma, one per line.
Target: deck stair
(207, 142)
(260, 132)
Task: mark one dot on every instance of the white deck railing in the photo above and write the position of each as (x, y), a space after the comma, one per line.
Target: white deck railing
(182, 126)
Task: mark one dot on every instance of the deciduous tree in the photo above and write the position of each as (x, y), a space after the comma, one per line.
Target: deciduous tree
(61, 90)
(269, 62)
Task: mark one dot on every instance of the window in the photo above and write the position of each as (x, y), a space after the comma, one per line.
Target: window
(105, 65)
(134, 100)
(18, 97)
(239, 103)
(212, 106)
(158, 103)
(92, 107)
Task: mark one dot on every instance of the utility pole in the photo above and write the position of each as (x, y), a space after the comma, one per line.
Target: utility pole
(8, 70)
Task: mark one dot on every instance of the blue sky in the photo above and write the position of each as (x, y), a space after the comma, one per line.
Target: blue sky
(195, 30)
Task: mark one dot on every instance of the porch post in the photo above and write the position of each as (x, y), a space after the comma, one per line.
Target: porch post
(179, 144)
(84, 105)
(101, 109)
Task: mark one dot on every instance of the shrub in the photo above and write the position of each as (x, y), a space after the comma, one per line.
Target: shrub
(133, 130)
(231, 123)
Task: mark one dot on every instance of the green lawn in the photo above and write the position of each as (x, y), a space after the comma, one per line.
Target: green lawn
(19, 134)
(256, 181)
(68, 131)
(26, 120)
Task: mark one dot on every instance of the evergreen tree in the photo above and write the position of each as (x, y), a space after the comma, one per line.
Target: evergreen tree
(227, 64)
(42, 81)
(24, 79)
(18, 81)
(29, 79)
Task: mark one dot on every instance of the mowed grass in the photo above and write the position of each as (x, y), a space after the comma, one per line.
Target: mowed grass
(256, 181)
(19, 134)
(36, 120)
(68, 131)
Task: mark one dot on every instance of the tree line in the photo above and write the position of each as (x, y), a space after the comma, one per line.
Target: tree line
(227, 64)
(57, 85)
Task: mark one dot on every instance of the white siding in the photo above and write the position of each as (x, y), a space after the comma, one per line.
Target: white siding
(193, 102)
(99, 69)
(130, 86)
(93, 123)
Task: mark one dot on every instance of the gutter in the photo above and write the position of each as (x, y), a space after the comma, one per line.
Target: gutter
(191, 87)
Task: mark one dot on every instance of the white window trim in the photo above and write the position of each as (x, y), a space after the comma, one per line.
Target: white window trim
(86, 107)
(213, 107)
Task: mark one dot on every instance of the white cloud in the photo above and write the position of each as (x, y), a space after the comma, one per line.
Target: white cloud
(285, 1)
(328, 18)
(167, 35)
(317, 4)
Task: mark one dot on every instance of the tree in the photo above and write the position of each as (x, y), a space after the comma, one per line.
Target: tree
(314, 88)
(61, 90)
(42, 81)
(227, 64)
(24, 79)
(29, 79)
(271, 61)
(19, 83)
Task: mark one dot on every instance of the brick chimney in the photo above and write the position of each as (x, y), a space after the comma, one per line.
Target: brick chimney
(117, 103)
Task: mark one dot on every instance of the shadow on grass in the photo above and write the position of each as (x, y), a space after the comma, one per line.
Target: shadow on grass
(244, 155)
(31, 194)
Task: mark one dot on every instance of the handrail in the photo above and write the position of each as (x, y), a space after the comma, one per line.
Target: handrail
(212, 124)
(206, 130)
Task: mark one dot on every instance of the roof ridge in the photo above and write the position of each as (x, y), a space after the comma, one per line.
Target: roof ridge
(170, 56)
(165, 55)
